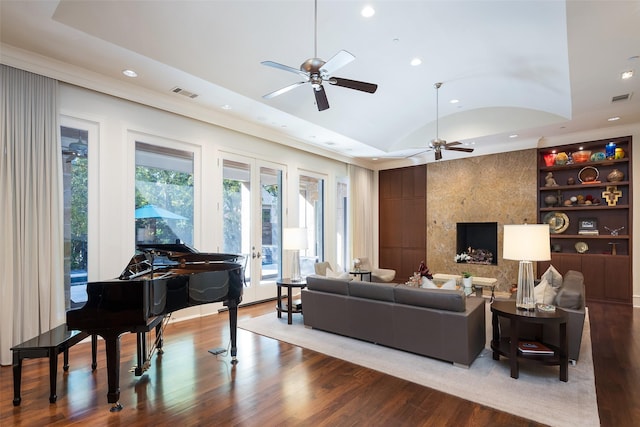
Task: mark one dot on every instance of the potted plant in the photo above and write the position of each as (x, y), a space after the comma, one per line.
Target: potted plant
(467, 281)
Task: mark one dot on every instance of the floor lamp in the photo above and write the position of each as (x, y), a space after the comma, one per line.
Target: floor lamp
(526, 243)
(295, 240)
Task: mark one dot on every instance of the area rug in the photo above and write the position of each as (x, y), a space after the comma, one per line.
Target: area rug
(537, 395)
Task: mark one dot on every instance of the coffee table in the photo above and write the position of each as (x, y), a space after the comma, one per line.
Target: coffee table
(290, 308)
(508, 346)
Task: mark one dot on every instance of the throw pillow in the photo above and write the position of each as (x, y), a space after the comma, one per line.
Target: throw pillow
(554, 277)
(539, 291)
(428, 284)
(342, 275)
(544, 293)
(449, 284)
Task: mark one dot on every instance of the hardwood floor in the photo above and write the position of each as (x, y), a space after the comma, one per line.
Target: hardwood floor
(275, 383)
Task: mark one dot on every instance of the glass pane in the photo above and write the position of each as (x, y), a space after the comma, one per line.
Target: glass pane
(164, 195)
(311, 209)
(75, 152)
(271, 203)
(236, 211)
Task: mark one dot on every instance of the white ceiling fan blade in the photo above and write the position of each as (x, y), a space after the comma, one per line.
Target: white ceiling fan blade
(283, 90)
(336, 62)
(285, 68)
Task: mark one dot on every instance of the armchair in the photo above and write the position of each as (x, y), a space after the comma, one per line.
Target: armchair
(321, 268)
(377, 274)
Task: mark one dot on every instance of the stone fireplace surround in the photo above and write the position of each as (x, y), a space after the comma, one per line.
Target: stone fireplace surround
(493, 188)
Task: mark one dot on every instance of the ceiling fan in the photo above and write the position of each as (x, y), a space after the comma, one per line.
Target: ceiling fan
(438, 144)
(316, 71)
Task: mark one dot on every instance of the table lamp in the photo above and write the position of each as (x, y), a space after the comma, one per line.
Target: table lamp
(526, 243)
(295, 239)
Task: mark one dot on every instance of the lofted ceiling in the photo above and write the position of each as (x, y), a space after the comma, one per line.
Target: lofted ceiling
(532, 68)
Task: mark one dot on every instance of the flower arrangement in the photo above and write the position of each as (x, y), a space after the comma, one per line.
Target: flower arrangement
(466, 274)
(424, 271)
(463, 257)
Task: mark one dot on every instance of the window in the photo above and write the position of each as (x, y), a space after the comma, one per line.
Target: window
(75, 170)
(164, 195)
(311, 216)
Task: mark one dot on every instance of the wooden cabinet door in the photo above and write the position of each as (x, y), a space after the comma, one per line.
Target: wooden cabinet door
(593, 270)
(616, 279)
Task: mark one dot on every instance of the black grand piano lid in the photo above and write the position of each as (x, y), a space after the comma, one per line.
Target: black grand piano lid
(182, 251)
(153, 256)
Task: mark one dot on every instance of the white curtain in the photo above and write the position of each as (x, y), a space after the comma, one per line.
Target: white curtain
(361, 215)
(31, 229)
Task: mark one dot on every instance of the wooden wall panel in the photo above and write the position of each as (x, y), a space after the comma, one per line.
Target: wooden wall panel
(402, 212)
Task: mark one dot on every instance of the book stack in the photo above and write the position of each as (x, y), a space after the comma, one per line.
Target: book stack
(533, 347)
(589, 232)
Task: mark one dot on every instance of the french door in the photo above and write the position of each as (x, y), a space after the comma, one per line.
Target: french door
(252, 220)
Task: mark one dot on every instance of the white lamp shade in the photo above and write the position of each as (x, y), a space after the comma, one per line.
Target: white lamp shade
(294, 239)
(526, 242)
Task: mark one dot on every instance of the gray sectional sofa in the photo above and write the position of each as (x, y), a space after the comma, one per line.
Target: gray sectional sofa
(443, 324)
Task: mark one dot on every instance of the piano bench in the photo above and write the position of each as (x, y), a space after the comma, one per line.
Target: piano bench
(48, 344)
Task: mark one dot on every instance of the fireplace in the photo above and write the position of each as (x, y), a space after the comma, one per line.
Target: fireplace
(479, 240)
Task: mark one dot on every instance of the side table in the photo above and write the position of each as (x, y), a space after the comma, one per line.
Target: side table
(361, 273)
(290, 308)
(508, 346)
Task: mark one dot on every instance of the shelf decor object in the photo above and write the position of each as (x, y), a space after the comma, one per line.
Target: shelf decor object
(295, 240)
(611, 195)
(526, 243)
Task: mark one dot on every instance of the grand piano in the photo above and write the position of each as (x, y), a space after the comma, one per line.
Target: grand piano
(159, 279)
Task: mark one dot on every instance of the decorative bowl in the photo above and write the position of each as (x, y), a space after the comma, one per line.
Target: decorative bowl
(561, 158)
(581, 156)
(588, 174)
(598, 156)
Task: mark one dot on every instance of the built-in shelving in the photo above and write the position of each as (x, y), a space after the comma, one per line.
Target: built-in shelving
(606, 263)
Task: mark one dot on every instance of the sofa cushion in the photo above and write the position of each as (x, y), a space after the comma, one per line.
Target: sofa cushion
(370, 290)
(442, 299)
(327, 284)
(571, 295)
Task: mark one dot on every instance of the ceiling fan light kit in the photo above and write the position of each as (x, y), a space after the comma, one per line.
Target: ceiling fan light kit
(316, 71)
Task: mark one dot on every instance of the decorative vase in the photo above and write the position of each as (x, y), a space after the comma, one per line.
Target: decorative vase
(550, 200)
(615, 176)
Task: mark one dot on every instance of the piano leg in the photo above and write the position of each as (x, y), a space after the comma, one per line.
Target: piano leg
(233, 329)
(159, 338)
(141, 338)
(112, 346)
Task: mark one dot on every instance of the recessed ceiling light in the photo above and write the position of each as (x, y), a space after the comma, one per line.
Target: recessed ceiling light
(627, 75)
(454, 101)
(368, 11)
(374, 158)
(514, 135)
(129, 73)
(416, 61)
(226, 107)
(613, 119)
